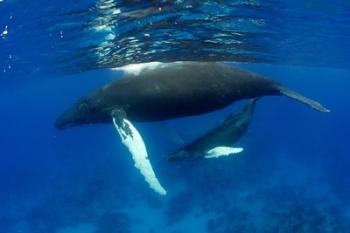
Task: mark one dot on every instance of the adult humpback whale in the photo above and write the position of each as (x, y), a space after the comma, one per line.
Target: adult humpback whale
(168, 91)
(218, 141)
(174, 90)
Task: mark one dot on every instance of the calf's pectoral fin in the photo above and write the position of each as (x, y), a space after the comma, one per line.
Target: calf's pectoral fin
(220, 151)
(132, 139)
(296, 96)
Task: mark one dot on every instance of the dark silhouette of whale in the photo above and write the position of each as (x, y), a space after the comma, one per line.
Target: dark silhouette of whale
(224, 135)
(173, 90)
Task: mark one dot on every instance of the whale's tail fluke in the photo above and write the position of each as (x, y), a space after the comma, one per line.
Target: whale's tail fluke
(296, 96)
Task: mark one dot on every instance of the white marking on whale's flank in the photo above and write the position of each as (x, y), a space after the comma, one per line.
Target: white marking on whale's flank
(137, 148)
(222, 151)
(136, 69)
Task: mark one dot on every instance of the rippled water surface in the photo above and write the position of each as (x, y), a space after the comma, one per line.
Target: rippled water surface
(74, 36)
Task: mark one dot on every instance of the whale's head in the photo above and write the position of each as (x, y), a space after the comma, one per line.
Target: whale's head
(84, 111)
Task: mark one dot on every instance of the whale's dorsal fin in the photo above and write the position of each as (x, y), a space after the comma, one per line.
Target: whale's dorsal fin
(132, 139)
(220, 151)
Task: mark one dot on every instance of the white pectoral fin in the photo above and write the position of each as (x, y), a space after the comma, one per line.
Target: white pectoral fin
(220, 151)
(132, 139)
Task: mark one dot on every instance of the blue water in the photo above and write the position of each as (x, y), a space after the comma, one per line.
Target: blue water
(293, 175)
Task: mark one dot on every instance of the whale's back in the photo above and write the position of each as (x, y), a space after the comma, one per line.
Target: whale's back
(182, 90)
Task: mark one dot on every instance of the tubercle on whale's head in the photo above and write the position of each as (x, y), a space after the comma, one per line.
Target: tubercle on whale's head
(82, 112)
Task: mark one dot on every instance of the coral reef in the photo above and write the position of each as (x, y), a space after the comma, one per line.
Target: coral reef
(82, 199)
(279, 208)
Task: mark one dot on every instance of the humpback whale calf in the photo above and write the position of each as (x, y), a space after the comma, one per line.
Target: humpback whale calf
(218, 141)
(167, 91)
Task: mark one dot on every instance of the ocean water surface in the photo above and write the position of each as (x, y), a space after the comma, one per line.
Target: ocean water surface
(293, 175)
